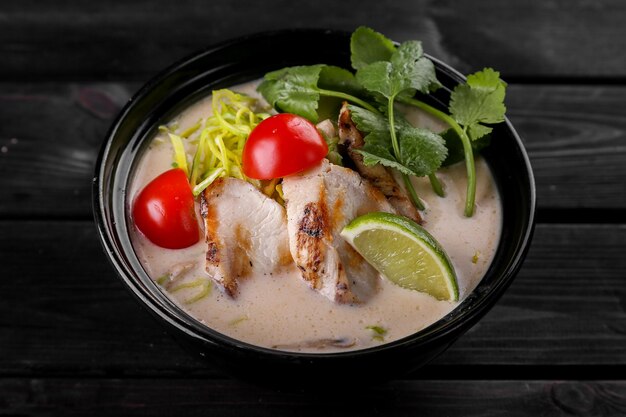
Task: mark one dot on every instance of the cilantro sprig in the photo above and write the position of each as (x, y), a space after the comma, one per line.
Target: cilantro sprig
(419, 153)
(404, 73)
(416, 151)
(298, 89)
(386, 74)
(480, 100)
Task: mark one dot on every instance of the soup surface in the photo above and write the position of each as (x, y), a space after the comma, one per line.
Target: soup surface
(280, 311)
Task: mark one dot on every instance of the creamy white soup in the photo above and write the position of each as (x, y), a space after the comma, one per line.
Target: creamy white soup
(280, 311)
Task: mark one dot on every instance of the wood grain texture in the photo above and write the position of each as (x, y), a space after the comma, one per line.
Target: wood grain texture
(73, 341)
(568, 302)
(201, 397)
(50, 134)
(109, 39)
(64, 312)
(576, 140)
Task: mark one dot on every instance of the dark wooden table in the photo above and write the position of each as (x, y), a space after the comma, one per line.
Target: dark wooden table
(74, 342)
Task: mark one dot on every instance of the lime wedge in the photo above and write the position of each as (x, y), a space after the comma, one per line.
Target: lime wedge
(404, 253)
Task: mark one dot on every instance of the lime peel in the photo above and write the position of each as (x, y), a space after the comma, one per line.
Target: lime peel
(404, 253)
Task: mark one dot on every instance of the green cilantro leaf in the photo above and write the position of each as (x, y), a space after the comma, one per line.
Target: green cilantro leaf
(293, 90)
(407, 70)
(339, 79)
(377, 148)
(368, 46)
(479, 100)
(421, 151)
(477, 131)
(415, 70)
(377, 78)
(298, 89)
(373, 155)
(367, 121)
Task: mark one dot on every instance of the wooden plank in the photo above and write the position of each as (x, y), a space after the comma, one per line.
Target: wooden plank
(576, 140)
(200, 397)
(566, 307)
(51, 132)
(63, 307)
(49, 140)
(108, 39)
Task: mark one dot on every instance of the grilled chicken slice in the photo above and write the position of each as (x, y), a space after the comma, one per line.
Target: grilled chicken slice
(320, 202)
(246, 233)
(352, 140)
(326, 127)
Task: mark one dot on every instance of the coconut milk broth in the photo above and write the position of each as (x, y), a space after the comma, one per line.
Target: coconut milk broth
(280, 311)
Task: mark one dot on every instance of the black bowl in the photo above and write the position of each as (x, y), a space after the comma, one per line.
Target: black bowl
(249, 58)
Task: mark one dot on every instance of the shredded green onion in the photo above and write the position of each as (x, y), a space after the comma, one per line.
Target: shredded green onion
(212, 176)
(190, 131)
(186, 285)
(378, 333)
(269, 189)
(206, 290)
(377, 329)
(279, 191)
(204, 283)
(162, 279)
(180, 156)
(476, 257)
(219, 144)
(238, 320)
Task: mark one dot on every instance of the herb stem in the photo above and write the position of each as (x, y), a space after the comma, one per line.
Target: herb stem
(412, 193)
(471, 174)
(396, 150)
(392, 129)
(470, 195)
(356, 100)
(436, 185)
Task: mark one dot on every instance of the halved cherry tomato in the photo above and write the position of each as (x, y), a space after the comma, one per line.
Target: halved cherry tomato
(282, 145)
(164, 211)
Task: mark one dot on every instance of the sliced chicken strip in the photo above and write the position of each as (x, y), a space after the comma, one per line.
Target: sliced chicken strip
(352, 140)
(246, 233)
(326, 127)
(320, 203)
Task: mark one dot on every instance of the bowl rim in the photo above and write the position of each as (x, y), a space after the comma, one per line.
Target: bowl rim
(440, 329)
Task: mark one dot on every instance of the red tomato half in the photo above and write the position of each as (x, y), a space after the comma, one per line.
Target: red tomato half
(164, 211)
(282, 145)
